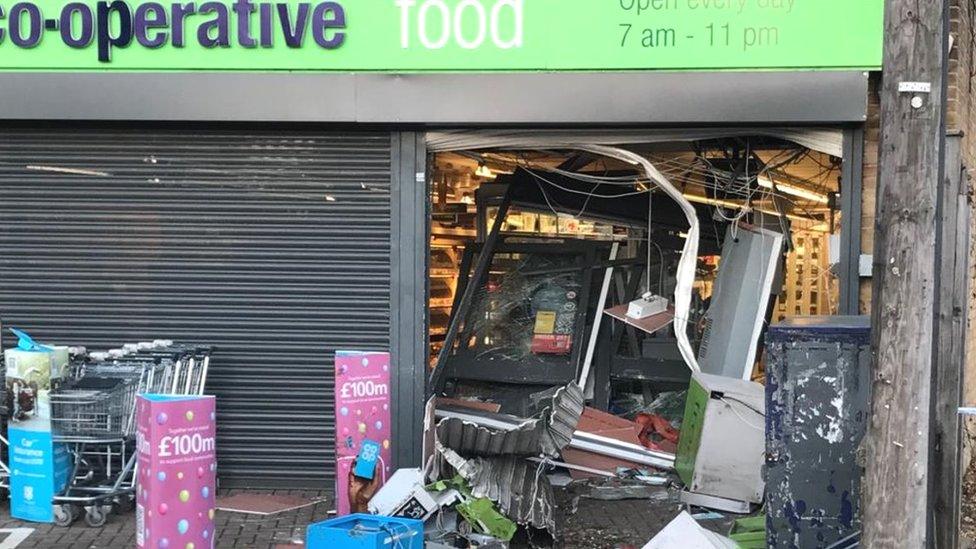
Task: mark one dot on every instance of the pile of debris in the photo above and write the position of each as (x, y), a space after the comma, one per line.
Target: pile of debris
(485, 476)
(489, 477)
(695, 463)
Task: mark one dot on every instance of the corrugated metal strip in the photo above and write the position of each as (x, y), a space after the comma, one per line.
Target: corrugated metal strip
(272, 246)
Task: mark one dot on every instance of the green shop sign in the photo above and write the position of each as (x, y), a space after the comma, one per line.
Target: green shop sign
(440, 35)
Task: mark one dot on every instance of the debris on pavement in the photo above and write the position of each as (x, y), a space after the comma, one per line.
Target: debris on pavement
(715, 503)
(619, 489)
(643, 475)
(750, 532)
(685, 533)
(482, 514)
(405, 495)
(491, 479)
(517, 485)
(491, 451)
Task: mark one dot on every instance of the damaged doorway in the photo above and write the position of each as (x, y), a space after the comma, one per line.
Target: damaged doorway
(541, 250)
(571, 208)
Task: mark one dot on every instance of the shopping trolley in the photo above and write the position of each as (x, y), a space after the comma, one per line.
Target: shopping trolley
(93, 417)
(93, 407)
(94, 414)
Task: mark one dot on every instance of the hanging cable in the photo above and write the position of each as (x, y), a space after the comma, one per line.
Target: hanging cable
(650, 229)
(688, 263)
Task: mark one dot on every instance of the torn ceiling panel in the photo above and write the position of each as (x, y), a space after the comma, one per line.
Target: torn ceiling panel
(825, 140)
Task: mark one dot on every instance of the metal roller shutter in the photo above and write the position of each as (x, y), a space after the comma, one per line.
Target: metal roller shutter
(272, 246)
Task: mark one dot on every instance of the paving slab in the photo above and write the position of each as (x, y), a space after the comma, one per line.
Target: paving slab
(233, 529)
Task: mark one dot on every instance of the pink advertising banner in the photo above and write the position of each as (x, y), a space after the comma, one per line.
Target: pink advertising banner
(362, 403)
(176, 439)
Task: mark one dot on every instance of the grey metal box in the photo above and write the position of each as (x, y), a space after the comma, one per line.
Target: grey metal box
(740, 301)
(720, 453)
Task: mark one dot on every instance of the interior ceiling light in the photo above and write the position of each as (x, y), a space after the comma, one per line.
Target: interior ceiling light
(484, 171)
(738, 206)
(767, 183)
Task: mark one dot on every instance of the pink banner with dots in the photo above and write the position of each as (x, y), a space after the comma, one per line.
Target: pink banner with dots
(176, 440)
(362, 404)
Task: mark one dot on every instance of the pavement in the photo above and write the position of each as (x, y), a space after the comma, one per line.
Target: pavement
(582, 522)
(585, 519)
(234, 530)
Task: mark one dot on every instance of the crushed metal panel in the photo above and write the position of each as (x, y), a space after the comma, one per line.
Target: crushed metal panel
(469, 419)
(567, 407)
(545, 435)
(493, 459)
(519, 487)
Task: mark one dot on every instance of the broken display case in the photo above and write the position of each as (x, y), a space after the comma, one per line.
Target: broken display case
(524, 330)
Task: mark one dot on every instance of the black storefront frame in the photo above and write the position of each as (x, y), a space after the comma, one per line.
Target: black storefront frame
(408, 104)
(410, 253)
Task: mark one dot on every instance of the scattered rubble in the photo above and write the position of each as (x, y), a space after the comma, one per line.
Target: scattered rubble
(573, 476)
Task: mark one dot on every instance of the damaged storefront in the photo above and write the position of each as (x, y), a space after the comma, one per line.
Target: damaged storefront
(580, 259)
(562, 296)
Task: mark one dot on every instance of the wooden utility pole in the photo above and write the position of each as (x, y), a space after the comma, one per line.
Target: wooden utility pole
(899, 485)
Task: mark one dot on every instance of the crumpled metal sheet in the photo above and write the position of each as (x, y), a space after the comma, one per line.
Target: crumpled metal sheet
(520, 488)
(545, 435)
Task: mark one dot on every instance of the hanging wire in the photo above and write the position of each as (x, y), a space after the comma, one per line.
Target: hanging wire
(744, 188)
(650, 229)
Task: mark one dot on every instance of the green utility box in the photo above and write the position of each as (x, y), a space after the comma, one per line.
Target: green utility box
(722, 446)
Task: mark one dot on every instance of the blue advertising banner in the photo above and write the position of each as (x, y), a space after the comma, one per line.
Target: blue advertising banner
(39, 469)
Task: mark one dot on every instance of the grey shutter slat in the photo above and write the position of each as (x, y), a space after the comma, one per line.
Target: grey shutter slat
(220, 237)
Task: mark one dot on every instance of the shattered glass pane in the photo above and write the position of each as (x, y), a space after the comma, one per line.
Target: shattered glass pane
(528, 309)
